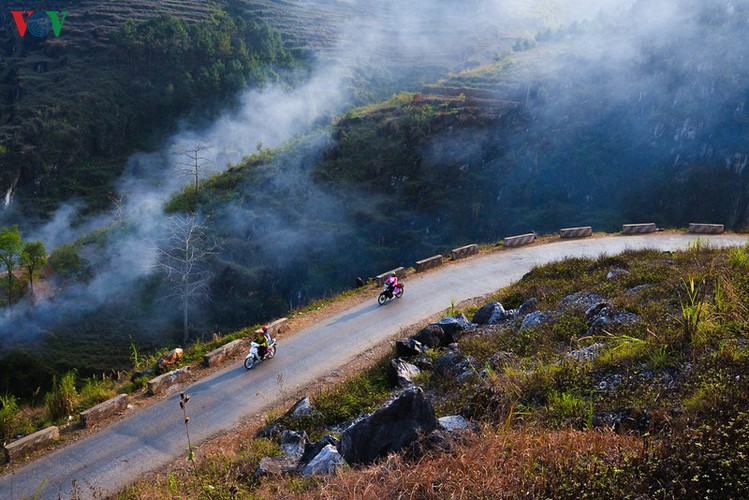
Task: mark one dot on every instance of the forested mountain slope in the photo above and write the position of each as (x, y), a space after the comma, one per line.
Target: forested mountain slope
(115, 79)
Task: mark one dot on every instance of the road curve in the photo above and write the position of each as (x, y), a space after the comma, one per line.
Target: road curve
(113, 458)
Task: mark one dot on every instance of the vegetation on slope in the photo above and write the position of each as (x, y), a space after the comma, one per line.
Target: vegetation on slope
(593, 124)
(546, 413)
(73, 107)
(550, 136)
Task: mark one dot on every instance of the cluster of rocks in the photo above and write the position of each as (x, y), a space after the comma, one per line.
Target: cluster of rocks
(405, 423)
(444, 334)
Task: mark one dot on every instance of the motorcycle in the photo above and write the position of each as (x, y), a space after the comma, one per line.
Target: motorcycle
(253, 357)
(387, 293)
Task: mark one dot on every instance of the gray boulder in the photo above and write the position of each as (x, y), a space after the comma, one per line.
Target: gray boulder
(595, 310)
(274, 430)
(535, 319)
(614, 273)
(453, 364)
(408, 347)
(314, 449)
(527, 307)
(424, 363)
(302, 408)
(431, 336)
(276, 466)
(581, 301)
(293, 443)
(326, 463)
(455, 423)
(490, 314)
(400, 373)
(453, 326)
(586, 353)
(601, 318)
(389, 429)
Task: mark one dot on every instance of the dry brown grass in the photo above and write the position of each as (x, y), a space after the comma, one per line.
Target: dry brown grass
(497, 464)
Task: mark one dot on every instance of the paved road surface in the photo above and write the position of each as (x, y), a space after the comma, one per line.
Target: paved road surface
(114, 457)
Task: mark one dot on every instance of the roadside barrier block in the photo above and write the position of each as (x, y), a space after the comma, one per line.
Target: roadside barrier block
(518, 241)
(639, 228)
(400, 272)
(18, 448)
(94, 415)
(576, 232)
(163, 382)
(699, 228)
(277, 327)
(463, 252)
(430, 263)
(219, 354)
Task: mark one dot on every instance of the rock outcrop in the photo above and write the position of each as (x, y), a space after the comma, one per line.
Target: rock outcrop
(326, 463)
(401, 373)
(389, 429)
(490, 314)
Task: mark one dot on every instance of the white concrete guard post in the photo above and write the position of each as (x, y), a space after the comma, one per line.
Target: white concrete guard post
(463, 252)
(698, 228)
(164, 382)
(16, 449)
(103, 410)
(400, 272)
(275, 328)
(219, 354)
(639, 228)
(430, 263)
(518, 241)
(576, 232)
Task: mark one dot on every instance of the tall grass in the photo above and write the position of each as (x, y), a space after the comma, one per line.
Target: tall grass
(498, 464)
(568, 408)
(9, 416)
(692, 308)
(96, 390)
(63, 398)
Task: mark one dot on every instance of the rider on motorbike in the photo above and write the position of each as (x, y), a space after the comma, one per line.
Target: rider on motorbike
(263, 340)
(392, 283)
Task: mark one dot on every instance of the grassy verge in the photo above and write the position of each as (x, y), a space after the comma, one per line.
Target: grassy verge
(676, 378)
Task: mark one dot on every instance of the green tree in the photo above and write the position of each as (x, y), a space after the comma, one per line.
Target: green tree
(10, 250)
(33, 256)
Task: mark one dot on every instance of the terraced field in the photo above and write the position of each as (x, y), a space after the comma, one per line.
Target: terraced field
(399, 32)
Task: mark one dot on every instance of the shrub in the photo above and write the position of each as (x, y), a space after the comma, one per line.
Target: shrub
(64, 397)
(95, 391)
(739, 257)
(67, 262)
(9, 417)
(569, 408)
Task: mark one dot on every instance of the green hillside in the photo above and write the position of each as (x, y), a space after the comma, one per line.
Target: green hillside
(551, 135)
(72, 108)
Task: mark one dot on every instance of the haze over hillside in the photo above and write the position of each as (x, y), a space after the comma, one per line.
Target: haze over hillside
(588, 122)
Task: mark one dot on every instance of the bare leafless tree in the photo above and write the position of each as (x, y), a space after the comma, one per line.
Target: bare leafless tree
(183, 260)
(192, 162)
(118, 204)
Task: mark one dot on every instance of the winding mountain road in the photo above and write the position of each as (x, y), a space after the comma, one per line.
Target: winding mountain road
(114, 457)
